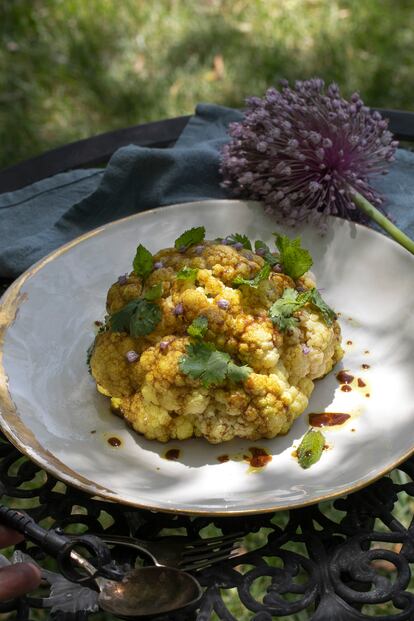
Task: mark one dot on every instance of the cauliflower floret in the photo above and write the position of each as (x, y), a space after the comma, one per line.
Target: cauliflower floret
(150, 389)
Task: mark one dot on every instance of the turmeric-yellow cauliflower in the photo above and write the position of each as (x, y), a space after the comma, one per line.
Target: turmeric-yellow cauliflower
(145, 376)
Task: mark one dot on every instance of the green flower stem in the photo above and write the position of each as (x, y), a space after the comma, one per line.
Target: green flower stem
(383, 221)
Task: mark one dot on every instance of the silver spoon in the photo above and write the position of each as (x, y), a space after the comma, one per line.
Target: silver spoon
(143, 592)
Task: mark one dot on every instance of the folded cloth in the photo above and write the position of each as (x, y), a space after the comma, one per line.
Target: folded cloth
(37, 219)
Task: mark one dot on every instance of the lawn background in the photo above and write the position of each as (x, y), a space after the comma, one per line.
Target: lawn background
(73, 68)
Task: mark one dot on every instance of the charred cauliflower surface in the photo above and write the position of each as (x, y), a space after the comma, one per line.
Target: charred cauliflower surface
(161, 402)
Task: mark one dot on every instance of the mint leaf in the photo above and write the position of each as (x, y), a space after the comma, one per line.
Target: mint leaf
(326, 311)
(154, 293)
(187, 273)
(268, 256)
(294, 259)
(202, 361)
(263, 274)
(145, 318)
(236, 373)
(310, 449)
(241, 239)
(198, 327)
(142, 262)
(120, 320)
(190, 237)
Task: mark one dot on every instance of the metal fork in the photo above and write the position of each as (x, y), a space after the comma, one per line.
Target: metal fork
(180, 552)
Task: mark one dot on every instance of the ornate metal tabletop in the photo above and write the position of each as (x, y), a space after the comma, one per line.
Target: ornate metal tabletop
(348, 559)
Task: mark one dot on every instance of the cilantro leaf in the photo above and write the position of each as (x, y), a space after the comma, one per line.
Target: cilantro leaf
(198, 327)
(138, 318)
(295, 259)
(202, 361)
(216, 368)
(142, 262)
(281, 311)
(154, 293)
(145, 318)
(190, 237)
(268, 256)
(241, 239)
(236, 373)
(326, 311)
(310, 449)
(120, 320)
(187, 273)
(261, 275)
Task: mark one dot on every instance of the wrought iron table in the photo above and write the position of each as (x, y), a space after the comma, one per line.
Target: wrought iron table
(347, 559)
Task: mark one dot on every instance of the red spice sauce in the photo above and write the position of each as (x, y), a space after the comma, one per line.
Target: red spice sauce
(172, 454)
(259, 457)
(349, 342)
(114, 441)
(223, 458)
(365, 366)
(344, 378)
(327, 419)
(361, 383)
(346, 388)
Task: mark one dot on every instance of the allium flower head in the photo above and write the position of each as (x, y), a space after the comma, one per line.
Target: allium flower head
(304, 150)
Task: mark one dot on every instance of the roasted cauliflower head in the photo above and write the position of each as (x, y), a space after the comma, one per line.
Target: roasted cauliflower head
(212, 339)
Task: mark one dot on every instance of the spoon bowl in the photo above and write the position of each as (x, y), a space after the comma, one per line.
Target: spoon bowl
(148, 591)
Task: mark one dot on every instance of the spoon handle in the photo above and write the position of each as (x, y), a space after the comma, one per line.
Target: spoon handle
(59, 546)
(48, 540)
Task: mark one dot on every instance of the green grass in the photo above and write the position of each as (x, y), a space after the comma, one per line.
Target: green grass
(70, 68)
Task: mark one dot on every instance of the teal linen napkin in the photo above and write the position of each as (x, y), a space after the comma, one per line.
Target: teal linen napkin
(39, 218)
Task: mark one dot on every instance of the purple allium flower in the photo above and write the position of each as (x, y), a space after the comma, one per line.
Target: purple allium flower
(132, 356)
(158, 265)
(199, 249)
(304, 150)
(223, 304)
(164, 345)
(261, 252)
(238, 246)
(178, 310)
(277, 268)
(305, 349)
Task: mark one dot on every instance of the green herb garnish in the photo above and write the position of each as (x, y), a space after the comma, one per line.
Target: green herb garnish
(241, 239)
(139, 317)
(187, 273)
(310, 449)
(294, 259)
(326, 311)
(202, 361)
(154, 293)
(190, 237)
(198, 327)
(281, 312)
(261, 275)
(142, 262)
(267, 256)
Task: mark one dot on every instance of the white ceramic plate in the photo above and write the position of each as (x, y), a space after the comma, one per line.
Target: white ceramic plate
(51, 411)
